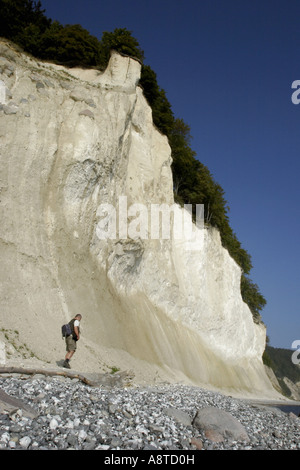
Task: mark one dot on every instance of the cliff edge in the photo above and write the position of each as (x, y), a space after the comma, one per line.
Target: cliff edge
(75, 143)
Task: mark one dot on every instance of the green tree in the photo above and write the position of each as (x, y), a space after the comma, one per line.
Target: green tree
(122, 41)
(161, 109)
(18, 15)
(184, 167)
(252, 296)
(70, 45)
(51, 43)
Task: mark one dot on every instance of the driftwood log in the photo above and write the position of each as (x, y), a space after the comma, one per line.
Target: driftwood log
(49, 373)
(94, 380)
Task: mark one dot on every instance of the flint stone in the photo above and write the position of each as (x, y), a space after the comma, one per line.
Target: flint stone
(87, 112)
(180, 416)
(10, 108)
(75, 96)
(25, 442)
(10, 404)
(214, 419)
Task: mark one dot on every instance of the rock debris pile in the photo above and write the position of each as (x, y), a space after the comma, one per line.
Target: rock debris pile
(61, 413)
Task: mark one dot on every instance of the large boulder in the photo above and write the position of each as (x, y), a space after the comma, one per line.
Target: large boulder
(213, 420)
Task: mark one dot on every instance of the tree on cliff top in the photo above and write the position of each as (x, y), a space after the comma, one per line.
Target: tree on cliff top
(24, 22)
(17, 15)
(122, 41)
(69, 45)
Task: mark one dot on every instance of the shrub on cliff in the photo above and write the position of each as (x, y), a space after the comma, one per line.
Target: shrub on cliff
(69, 45)
(17, 17)
(122, 41)
(24, 22)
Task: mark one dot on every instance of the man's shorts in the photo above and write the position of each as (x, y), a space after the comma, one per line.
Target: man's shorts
(70, 343)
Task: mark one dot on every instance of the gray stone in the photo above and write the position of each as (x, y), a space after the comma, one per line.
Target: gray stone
(72, 440)
(91, 103)
(87, 112)
(112, 408)
(10, 404)
(10, 108)
(214, 419)
(25, 442)
(49, 83)
(75, 96)
(179, 416)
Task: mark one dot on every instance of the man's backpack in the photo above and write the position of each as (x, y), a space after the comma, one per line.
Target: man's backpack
(66, 330)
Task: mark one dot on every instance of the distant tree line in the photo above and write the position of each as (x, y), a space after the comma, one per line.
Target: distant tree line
(280, 360)
(24, 22)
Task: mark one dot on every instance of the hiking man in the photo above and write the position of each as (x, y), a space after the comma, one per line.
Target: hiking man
(72, 339)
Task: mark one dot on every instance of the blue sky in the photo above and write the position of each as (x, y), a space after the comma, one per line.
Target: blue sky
(227, 67)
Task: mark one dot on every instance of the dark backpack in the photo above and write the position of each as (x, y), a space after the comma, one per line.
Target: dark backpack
(66, 330)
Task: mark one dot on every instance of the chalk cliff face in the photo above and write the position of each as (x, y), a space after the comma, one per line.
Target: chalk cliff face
(71, 141)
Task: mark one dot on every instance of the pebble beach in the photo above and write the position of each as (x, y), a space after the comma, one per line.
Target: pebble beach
(69, 415)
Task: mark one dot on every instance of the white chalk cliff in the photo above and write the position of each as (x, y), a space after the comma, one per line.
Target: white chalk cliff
(73, 139)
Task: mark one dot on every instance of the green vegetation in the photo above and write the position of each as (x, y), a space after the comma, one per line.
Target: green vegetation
(122, 41)
(12, 338)
(280, 360)
(24, 22)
